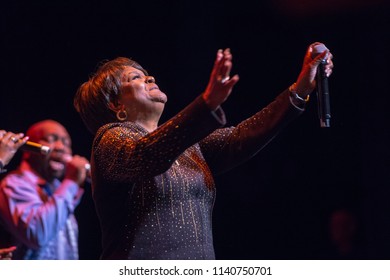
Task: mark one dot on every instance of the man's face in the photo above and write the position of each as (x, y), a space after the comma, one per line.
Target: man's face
(55, 136)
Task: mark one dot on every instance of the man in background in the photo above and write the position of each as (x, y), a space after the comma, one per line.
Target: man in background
(38, 199)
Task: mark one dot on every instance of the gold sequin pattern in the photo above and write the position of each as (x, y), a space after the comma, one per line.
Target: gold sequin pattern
(155, 192)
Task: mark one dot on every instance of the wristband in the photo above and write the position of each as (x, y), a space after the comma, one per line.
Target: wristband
(296, 95)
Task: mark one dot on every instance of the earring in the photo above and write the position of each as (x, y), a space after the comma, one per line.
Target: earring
(121, 115)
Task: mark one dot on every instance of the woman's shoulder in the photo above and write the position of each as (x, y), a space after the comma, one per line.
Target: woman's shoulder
(119, 131)
(120, 127)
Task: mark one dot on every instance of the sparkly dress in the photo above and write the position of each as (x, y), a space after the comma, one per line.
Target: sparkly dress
(154, 192)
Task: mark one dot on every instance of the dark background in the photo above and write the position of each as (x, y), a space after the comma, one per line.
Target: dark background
(277, 205)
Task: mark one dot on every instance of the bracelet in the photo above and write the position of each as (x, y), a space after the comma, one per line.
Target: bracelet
(296, 95)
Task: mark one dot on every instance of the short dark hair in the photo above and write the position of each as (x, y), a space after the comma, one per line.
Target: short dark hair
(92, 97)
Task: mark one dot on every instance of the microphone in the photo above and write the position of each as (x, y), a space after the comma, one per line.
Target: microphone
(322, 87)
(87, 167)
(35, 148)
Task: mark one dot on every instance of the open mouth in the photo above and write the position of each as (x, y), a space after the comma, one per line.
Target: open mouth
(56, 165)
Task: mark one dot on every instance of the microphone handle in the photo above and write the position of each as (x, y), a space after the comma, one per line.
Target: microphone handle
(323, 96)
(35, 148)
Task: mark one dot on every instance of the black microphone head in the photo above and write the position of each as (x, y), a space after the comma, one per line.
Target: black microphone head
(317, 48)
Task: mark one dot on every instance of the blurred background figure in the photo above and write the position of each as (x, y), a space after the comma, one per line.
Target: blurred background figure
(344, 236)
(9, 144)
(38, 199)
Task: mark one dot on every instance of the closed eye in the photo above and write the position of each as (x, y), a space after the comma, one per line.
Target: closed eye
(135, 77)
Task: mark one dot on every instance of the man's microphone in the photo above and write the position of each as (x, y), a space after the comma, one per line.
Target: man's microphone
(322, 87)
(44, 150)
(87, 166)
(33, 147)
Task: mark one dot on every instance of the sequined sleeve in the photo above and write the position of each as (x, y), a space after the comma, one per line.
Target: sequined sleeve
(127, 152)
(229, 147)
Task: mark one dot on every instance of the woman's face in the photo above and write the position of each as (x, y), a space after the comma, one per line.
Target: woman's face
(140, 93)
